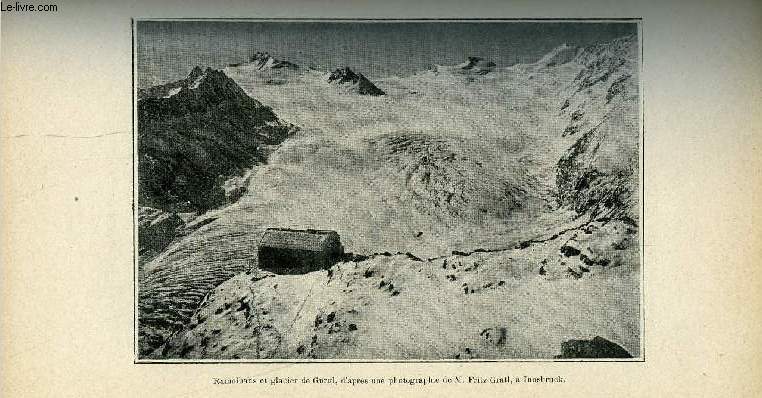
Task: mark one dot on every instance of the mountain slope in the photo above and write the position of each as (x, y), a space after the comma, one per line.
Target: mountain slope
(195, 138)
(599, 173)
(515, 303)
(195, 133)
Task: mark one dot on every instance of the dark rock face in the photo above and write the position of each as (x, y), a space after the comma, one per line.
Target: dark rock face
(618, 87)
(348, 76)
(598, 347)
(591, 190)
(193, 134)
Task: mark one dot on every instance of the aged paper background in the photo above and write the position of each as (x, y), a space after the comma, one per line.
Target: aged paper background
(66, 188)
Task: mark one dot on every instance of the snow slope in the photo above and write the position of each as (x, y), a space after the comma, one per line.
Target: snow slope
(460, 306)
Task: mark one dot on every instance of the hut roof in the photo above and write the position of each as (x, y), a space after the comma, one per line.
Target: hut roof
(310, 239)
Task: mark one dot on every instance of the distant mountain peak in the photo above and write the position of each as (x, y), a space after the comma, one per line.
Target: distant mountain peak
(473, 66)
(263, 60)
(212, 84)
(343, 75)
(478, 65)
(346, 75)
(203, 89)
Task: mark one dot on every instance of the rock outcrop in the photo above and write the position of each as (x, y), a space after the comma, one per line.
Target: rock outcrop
(598, 348)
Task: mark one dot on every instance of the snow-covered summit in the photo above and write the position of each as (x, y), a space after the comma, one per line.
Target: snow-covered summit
(263, 61)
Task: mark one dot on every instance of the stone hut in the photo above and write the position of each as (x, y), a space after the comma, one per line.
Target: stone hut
(293, 251)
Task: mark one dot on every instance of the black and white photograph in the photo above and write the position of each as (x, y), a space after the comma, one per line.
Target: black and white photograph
(388, 190)
(337, 198)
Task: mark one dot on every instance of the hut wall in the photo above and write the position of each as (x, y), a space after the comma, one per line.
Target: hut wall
(291, 261)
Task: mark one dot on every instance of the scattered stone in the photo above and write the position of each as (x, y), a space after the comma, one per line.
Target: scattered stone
(413, 257)
(569, 251)
(574, 273)
(496, 336)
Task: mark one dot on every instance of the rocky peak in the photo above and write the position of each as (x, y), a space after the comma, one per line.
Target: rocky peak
(198, 82)
(263, 60)
(346, 75)
(215, 85)
(195, 73)
(200, 91)
(195, 130)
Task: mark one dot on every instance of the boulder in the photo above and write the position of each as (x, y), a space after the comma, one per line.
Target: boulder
(598, 347)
